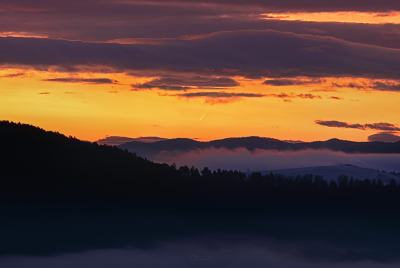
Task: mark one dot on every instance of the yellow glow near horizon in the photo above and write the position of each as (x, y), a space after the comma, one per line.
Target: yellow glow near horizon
(93, 111)
(352, 17)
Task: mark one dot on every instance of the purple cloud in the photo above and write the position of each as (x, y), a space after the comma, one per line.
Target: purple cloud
(83, 80)
(262, 53)
(335, 98)
(374, 126)
(220, 95)
(177, 83)
(291, 82)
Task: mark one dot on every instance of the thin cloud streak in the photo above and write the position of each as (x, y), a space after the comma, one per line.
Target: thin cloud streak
(226, 97)
(291, 82)
(388, 86)
(374, 126)
(179, 83)
(83, 80)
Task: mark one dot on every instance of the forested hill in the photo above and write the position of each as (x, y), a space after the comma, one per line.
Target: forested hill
(32, 158)
(252, 143)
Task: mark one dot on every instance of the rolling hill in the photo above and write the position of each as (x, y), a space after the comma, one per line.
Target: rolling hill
(252, 143)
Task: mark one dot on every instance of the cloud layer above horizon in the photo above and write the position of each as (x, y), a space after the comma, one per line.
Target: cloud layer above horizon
(224, 63)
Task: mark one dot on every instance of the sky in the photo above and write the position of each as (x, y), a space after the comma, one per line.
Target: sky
(291, 70)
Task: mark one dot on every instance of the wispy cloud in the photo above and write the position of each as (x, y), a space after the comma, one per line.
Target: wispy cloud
(181, 83)
(335, 98)
(82, 80)
(375, 85)
(225, 97)
(374, 126)
(12, 75)
(292, 82)
(220, 95)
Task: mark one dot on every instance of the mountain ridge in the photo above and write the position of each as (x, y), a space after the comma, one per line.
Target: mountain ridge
(254, 142)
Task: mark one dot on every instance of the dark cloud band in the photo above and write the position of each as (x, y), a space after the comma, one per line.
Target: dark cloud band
(250, 53)
(179, 83)
(374, 126)
(83, 80)
(291, 82)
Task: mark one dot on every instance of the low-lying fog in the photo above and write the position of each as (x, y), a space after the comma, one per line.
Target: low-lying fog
(205, 252)
(242, 159)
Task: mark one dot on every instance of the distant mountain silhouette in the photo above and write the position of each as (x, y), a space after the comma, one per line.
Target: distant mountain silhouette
(117, 140)
(252, 143)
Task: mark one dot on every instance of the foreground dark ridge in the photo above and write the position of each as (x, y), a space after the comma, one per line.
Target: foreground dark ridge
(252, 143)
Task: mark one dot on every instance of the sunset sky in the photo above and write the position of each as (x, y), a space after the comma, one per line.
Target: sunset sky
(203, 69)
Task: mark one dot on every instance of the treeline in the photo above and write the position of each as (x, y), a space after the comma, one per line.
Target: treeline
(396, 174)
(256, 179)
(317, 182)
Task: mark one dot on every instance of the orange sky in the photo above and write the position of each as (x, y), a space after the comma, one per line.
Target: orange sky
(92, 111)
(353, 17)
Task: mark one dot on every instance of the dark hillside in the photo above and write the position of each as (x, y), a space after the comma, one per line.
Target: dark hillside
(40, 161)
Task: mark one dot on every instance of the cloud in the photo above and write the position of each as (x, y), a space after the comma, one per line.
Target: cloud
(292, 95)
(226, 97)
(12, 75)
(44, 93)
(385, 136)
(104, 21)
(181, 83)
(291, 82)
(374, 126)
(83, 80)
(386, 86)
(308, 96)
(262, 53)
(220, 95)
(324, 90)
(350, 85)
(374, 85)
(336, 98)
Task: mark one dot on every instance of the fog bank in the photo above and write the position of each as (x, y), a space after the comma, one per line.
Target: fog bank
(242, 159)
(233, 252)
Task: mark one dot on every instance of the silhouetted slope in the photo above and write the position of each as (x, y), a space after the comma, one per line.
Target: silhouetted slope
(252, 143)
(35, 159)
